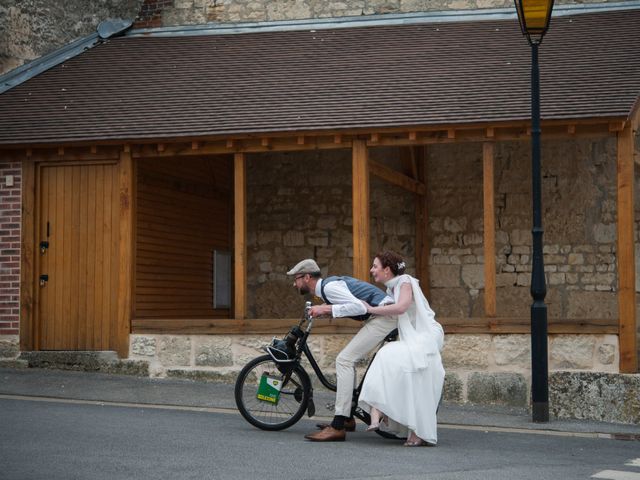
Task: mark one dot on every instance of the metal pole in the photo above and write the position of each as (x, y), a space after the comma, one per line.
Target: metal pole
(539, 362)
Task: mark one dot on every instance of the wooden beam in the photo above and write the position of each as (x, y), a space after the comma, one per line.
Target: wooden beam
(195, 145)
(230, 143)
(571, 129)
(409, 162)
(451, 133)
(28, 331)
(278, 326)
(489, 231)
(337, 139)
(240, 236)
(396, 178)
(301, 140)
(360, 189)
(120, 337)
(626, 253)
(490, 132)
(419, 154)
(616, 126)
(413, 136)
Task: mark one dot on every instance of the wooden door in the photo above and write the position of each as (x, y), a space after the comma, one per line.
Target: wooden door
(77, 234)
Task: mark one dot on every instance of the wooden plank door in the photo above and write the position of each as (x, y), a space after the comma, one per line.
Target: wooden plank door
(77, 256)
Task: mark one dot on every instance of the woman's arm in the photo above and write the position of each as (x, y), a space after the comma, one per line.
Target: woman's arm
(404, 301)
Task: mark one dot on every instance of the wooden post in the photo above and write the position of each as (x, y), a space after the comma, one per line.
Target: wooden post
(422, 221)
(240, 236)
(28, 331)
(125, 263)
(626, 253)
(360, 161)
(489, 231)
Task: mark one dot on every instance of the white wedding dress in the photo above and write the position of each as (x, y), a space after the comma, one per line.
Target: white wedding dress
(405, 379)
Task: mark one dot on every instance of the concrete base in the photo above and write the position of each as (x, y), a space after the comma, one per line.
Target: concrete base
(104, 361)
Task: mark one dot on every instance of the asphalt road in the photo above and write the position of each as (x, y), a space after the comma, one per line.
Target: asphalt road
(44, 439)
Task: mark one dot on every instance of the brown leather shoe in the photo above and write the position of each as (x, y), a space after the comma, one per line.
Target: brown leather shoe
(328, 434)
(349, 425)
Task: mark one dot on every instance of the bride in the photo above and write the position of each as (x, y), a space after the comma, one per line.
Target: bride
(403, 386)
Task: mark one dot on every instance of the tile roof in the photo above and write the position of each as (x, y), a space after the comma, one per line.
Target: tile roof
(138, 87)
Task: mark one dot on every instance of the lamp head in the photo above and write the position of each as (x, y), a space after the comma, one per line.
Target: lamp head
(534, 17)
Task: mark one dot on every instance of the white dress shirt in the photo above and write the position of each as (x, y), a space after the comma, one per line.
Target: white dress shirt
(343, 302)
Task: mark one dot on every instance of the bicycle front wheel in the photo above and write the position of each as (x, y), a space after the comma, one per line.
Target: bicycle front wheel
(268, 415)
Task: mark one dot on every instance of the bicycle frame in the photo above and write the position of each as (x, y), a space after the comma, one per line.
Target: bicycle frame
(303, 349)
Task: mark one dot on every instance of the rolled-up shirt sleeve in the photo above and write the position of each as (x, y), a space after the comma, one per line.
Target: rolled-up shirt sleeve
(343, 302)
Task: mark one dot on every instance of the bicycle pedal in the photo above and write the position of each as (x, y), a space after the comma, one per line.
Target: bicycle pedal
(311, 408)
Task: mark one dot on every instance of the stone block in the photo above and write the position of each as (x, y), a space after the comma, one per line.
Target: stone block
(452, 389)
(571, 351)
(466, 351)
(606, 354)
(603, 397)
(513, 350)
(604, 233)
(455, 225)
(473, 276)
(592, 305)
(450, 302)
(9, 346)
(497, 388)
(332, 346)
(445, 276)
(174, 350)
(520, 237)
(214, 351)
(143, 346)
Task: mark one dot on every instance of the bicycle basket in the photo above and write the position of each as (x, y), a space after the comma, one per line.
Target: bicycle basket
(280, 351)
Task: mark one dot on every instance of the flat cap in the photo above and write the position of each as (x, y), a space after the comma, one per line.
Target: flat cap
(305, 266)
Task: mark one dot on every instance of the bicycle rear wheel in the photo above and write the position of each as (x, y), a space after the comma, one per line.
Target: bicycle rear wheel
(291, 405)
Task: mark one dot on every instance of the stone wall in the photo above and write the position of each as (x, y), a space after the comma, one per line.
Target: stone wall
(299, 206)
(579, 214)
(32, 28)
(484, 369)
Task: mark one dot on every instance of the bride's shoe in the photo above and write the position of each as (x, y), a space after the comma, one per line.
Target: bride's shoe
(376, 425)
(415, 441)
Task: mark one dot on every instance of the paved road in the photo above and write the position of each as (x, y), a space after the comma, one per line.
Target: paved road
(70, 439)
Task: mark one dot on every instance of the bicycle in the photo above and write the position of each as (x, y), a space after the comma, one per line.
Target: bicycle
(273, 391)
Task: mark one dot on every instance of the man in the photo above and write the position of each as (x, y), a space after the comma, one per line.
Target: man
(342, 297)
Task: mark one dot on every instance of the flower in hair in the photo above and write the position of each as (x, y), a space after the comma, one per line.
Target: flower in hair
(401, 265)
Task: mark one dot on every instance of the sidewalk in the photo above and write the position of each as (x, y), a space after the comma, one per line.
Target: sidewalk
(109, 388)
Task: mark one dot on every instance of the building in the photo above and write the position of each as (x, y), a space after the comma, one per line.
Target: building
(162, 180)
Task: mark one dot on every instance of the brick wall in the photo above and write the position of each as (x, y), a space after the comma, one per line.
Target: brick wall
(10, 208)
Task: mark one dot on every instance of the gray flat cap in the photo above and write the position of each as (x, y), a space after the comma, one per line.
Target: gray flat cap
(305, 266)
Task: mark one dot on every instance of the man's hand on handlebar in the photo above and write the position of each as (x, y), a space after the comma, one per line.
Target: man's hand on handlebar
(320, 310)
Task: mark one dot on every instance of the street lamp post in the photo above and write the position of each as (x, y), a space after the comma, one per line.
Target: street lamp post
(534, 17)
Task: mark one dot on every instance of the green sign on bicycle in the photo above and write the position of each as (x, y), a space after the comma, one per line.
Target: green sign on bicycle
(269, 389)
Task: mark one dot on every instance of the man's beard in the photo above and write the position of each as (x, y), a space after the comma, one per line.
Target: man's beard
(304, 290)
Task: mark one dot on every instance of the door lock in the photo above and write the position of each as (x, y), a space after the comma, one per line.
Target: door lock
(43, 280)
(44, 245)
